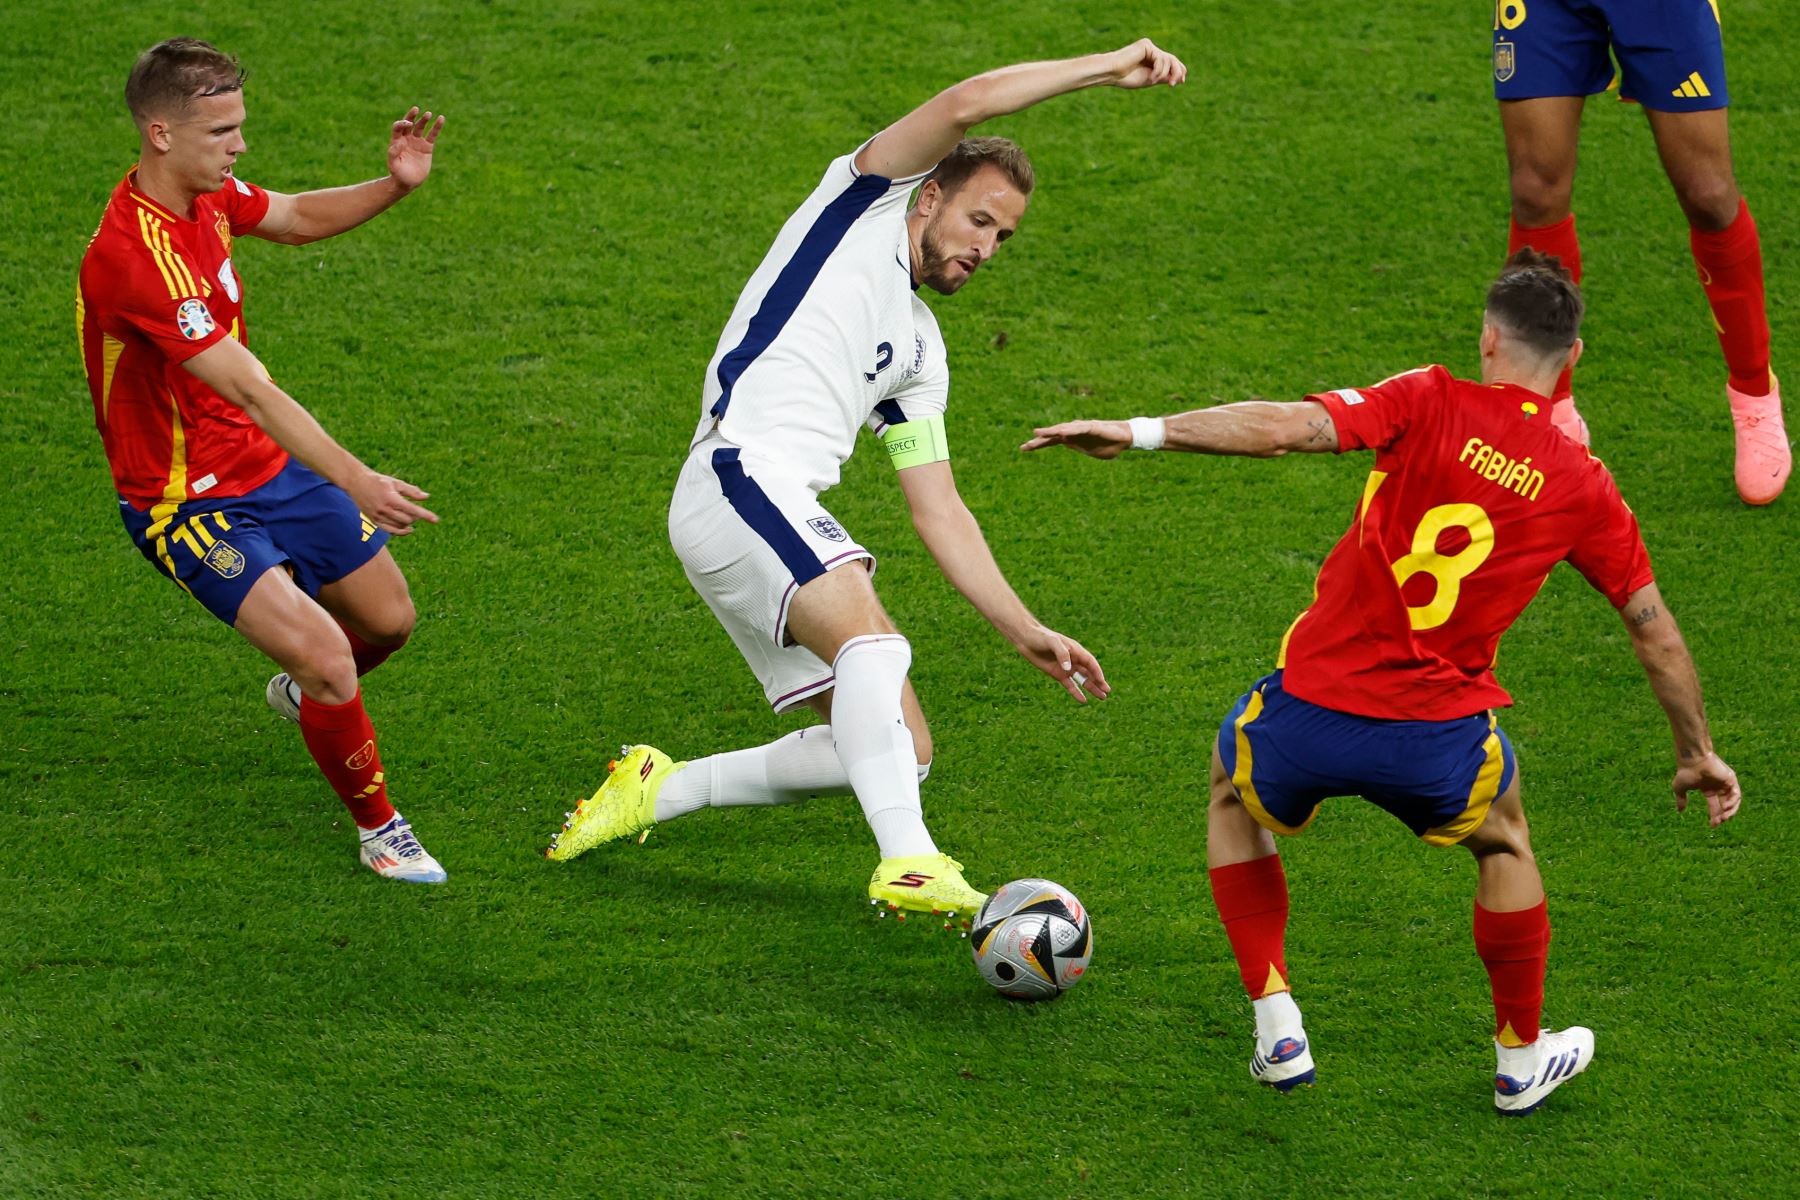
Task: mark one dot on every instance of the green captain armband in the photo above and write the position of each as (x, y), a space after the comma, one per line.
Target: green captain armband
(916, 443)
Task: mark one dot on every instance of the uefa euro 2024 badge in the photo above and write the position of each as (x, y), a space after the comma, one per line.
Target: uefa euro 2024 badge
(193, 320)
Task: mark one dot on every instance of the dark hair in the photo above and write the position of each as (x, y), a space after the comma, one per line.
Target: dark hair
(1536, 300)
(971, 154)
(172, 74)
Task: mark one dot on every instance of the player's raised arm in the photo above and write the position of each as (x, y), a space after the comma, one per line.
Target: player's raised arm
(954, 538)
(1670, 668)
(919, 140)
(311, 216)
(1253, 428)
(236, 374)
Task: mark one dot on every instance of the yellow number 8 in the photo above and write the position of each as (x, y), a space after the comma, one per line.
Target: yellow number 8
(1449, 570)
(1509, 14)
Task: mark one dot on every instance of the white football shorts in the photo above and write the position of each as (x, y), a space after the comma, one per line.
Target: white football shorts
(748, 536)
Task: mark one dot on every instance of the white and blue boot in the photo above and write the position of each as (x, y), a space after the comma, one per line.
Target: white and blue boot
(393, 852)
(1283, 1057)
(1526, 1075)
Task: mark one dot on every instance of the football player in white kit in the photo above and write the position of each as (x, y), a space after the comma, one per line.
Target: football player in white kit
(829, 336)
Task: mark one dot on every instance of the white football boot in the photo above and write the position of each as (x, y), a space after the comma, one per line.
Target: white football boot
(1527, 1075)
(283, 695)
(1285, 1065)
(394, 853)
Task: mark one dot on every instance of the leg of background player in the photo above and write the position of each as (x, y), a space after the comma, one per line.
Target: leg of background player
(804, 765)
(281, 621)
(1696, 152)
(1542, 136)
(374, 609)
(1250, 889)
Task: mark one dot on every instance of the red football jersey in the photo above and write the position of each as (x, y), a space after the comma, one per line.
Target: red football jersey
(155, 290)
(1473, 499)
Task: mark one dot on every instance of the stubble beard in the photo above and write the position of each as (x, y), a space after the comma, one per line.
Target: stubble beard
(933, 259)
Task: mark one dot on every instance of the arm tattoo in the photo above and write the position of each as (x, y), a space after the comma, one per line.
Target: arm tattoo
(1321, 431)
(1644, 615)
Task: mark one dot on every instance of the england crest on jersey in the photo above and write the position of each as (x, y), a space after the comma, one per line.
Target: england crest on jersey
(826, 527)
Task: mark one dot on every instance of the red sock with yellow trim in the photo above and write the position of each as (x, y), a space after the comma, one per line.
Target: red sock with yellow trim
(1253, 903)
(1558, 239)
(342, 742)
(367, 654)
(1514, 947)
(1731, 271)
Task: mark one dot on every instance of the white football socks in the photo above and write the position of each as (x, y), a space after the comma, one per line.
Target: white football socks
(803, 765)
(1277, 1017)
(874, 743)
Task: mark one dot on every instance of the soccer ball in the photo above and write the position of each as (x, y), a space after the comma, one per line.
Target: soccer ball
(1032, 940)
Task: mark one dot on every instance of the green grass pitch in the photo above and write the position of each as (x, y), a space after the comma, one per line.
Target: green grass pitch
(203, 994)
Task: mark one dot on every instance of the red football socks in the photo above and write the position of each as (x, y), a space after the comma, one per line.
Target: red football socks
(342, 742)
(368, 655)
(1513, 947)
(1731, 271)
(1558, 239)
(1253, 902)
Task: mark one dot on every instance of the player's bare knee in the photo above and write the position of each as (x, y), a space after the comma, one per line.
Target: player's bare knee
(395, 624)
(1709, 199)
(1541, 194)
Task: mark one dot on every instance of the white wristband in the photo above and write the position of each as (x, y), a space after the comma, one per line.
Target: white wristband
(1146, 433)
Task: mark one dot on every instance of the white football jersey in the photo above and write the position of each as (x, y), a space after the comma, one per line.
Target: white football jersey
(829, 335)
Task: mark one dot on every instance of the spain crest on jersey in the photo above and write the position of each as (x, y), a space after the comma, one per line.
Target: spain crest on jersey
(1504, 62)
(225, 559)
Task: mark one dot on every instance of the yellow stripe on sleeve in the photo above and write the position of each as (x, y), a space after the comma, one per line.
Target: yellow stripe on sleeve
(180, 267)
(148, 226)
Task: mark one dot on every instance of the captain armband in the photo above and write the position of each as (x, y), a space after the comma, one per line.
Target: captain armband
(916, 443)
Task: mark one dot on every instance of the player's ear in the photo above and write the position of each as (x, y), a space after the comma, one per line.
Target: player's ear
(930, 196)
(1490, 339)
(156, 133)
(1574, 355)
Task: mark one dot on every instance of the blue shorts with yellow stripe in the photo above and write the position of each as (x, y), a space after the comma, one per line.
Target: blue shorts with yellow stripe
(1286, 755)
(217, 549)
(1670, 52)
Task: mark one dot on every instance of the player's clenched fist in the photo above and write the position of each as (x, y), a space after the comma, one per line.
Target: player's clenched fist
(1144, 64)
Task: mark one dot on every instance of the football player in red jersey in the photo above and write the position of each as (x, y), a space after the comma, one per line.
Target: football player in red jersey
(1384, 687)
(1549, 57)
(228, 486)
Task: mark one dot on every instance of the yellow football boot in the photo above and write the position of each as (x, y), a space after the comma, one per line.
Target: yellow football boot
(925, 883)
(624, 805)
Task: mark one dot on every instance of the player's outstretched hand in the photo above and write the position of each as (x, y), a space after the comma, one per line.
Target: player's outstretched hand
(1144, 64)
(1716, 781)
(409, 149)
(389, 503)
(1100, 439)
(1065, 660)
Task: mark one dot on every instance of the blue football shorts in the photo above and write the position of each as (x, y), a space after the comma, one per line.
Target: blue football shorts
(216, 550)
(1670, 53)
(1286, 755)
